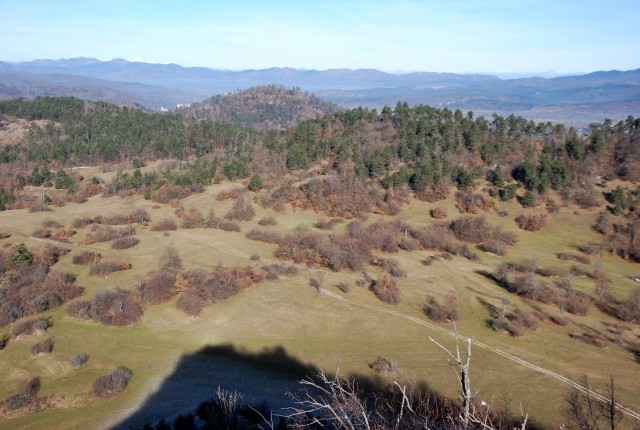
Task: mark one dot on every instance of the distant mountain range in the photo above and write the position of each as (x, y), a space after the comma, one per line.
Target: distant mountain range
(572, 99)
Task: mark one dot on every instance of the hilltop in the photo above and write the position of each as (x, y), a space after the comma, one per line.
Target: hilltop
(263, 107)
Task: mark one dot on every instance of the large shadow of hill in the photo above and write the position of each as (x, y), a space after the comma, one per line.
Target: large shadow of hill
(266, 376)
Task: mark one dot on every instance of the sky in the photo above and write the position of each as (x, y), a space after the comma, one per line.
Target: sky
(459, 36)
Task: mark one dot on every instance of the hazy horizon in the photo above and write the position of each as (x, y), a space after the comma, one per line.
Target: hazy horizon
(527, 37)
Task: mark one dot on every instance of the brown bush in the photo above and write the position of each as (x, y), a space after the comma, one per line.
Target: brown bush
(567, 256)
(524, 318)
(44, 346)
(38, 206)
(267, 236)
(30, 327)
(119, 219)
(167, 192)
(125, 242)
(439, 191)
(192, 219)
(164, 224)
(438, 212)
(242, 209)
(112, 307)
(81, 222)
(157, 287)
(139, 215)
(630, 309)
(472, 203)
(343, 286)
(114, 383)
(170, 260)
(531, 222)
(591, 339)
(106, 233)
(78, 361)
(87, 257)
(552, 271)
(41, 233)
(51, 223)
(109, 266)
(233, 193)
(27, 390)
(448, 311)
(269, 220)
(386, 290)
(328, 224)
(392, 267)
(408, 244)
(384, 366)
(48, 255)
(275, 270)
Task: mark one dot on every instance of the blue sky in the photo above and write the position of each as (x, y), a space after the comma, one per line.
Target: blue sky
(442, 36)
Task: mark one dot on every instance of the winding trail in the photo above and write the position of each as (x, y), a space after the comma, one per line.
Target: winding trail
(624, 409)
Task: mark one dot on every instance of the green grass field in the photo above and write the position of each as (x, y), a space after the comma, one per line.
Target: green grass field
(315, 329)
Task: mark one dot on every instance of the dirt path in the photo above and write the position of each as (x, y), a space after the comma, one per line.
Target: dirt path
(513, 358)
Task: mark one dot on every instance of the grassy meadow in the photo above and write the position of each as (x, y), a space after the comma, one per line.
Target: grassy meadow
(315, 329)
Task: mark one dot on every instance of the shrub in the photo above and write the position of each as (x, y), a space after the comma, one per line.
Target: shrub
(531, 222)
(192, 219)
(316, 283)
(268, 221)
(51, 223)
(233, 193)
(170, 260)
(630, 309)
(242, 209)
(87, 257)
(386, 290)
(112, 307)
(119, 219)
(525, 318)
(164, 224)
(567, 256)
(48, 255)
(81, 222)
(472, 203)
(438, 212)
(267, 236)
(125, 242)
(384, 365)
(30, 327)
(343, 286)
(328, 224)
(114, 383)
(109, 266)
(42, 347)
(157, 287)
(392, 267)
(78, 361)
(27, 390)
(274, 270)
(448, 311)
(139, 215)
(107, 233)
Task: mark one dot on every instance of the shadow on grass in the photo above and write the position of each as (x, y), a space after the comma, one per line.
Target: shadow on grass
(266, 380)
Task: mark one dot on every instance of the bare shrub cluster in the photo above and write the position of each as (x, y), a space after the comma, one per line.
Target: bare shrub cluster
(108, 266)
(438, 212)
(263, 235)
(269, 220)
(386, 289)
(218, 286)
(157, 287)
(107, 233)
(114, 383)
(27, 391)
(30, 285)
(193, 218)
(328, 224)
(77, 361)
(384, 366)
(569, 256)
(233, 193)
(42, 347)
(443, 312)
(164, 224)
(86, 257)
(125, 242)
(344, 196)
(112, 307)
(30, 327)
(472, 203)
(530, 222)
(274, 270)
(242, 209)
